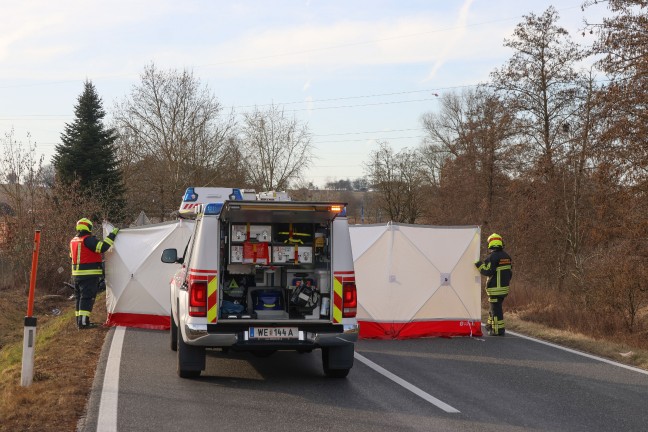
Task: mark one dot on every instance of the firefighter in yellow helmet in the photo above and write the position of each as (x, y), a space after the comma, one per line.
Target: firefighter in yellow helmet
(498, 268)
(87, 270)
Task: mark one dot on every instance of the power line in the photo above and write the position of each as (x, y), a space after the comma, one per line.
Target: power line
(367, 132)
(433, 91)
(360, 105)
(368, 139)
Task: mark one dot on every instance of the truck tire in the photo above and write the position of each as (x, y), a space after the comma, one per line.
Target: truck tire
(174, 334)
(191, 359)
(336, 356)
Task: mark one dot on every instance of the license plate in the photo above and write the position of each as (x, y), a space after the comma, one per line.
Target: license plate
(273, 333)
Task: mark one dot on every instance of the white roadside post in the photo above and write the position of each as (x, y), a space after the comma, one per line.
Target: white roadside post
(29, 338)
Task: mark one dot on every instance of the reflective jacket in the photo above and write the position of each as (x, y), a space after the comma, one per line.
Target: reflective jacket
(85, 251)
(498, 267)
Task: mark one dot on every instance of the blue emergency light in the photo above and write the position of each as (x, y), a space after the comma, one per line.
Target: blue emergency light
(236, 195)
(213, 208)
(190, 195)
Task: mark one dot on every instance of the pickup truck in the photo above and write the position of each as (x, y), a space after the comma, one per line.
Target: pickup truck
(262, 275)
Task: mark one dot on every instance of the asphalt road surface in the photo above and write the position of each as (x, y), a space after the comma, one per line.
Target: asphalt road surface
(509, 383)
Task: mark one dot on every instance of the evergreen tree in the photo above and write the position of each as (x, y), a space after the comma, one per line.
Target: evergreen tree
(87, 155)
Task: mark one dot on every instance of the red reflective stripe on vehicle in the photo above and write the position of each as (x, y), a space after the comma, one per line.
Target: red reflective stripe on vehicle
(202, 271)
(201, 275)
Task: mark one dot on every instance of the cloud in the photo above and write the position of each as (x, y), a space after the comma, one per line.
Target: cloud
(453, 39)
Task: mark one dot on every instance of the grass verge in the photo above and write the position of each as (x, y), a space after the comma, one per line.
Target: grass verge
(619, 352)
(64, 366)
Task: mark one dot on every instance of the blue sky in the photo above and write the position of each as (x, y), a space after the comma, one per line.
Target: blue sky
(354, 71)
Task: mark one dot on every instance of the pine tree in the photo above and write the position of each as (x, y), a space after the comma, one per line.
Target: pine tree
(87, 156)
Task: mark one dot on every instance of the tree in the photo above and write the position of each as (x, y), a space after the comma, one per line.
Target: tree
(623, 46)
(87, 154)
(174, 134)
(21, 170)
(277, 149)
(397, 180)
(466, 155)
(342, 184)
(539, 81)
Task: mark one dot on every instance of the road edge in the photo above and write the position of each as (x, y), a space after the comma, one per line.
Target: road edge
(88, 421)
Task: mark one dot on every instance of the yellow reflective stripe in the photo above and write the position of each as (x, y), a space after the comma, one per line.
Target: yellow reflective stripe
(109, 241)
(76, 272)
(337, 294)
(498, 270)
(98, 248)
(212, 300)
(484, 266)
(78, 259)
(497, 291)
(84, 313)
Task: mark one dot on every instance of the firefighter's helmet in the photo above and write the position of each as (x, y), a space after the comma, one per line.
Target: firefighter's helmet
(495, 241)
(84, 224)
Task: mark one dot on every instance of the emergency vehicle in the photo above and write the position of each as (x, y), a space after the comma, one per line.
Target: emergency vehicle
(262, 275)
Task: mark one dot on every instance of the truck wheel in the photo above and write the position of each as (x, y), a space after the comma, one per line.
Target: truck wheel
(174, 334)
(332, 373)
(191, 359)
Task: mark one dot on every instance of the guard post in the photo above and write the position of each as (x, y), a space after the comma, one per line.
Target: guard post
(29, 337)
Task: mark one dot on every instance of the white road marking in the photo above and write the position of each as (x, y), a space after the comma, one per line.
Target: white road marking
(107, 421)
(580, 353)
(400, 381)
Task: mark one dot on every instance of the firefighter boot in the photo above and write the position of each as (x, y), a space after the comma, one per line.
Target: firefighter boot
(85, 323)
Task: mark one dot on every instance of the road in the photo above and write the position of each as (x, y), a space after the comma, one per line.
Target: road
(509, 383)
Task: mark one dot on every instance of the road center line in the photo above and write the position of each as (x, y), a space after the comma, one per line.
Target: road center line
(107, 421)
(400, 381)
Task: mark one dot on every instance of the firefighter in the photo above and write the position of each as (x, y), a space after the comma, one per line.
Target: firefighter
(497, 267)
(87, 268)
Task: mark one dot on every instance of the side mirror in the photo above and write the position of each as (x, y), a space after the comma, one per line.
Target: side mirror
(170, 256)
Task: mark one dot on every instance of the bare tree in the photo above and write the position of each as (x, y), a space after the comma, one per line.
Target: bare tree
(277, 149)
(172, 134)
(540, 82)
(398, 182)
(467, 146)
(20, 170)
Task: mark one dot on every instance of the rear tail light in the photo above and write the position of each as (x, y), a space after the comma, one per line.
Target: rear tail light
(198, 299)
(349, 300)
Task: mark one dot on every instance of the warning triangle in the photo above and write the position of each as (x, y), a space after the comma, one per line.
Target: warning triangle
(233, 284)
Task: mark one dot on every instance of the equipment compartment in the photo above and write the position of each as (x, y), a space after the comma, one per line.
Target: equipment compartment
(287, 266)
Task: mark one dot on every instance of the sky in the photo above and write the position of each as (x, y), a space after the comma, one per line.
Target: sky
(356, 72)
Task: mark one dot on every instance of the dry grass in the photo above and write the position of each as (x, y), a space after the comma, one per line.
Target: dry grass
(64, 366)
